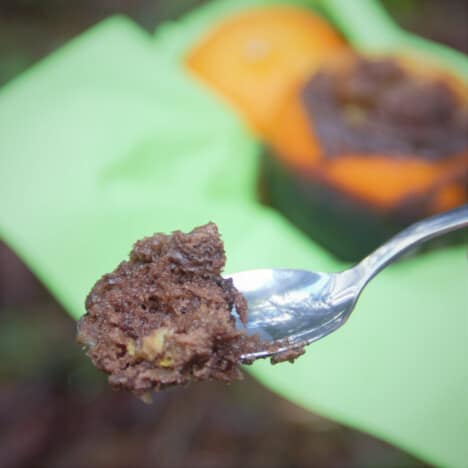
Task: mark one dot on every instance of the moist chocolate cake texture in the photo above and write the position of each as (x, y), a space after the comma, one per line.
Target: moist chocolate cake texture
(164, 317)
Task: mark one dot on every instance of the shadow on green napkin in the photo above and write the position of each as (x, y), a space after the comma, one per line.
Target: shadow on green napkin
(105, 142)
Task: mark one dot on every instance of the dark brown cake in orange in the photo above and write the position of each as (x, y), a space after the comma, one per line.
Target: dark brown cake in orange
(366, 147)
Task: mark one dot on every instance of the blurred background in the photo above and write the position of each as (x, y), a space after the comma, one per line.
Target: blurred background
(30, 29)
(56, 410)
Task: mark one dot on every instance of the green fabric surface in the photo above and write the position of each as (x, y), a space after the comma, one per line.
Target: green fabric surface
(105, 141)
(370, 29)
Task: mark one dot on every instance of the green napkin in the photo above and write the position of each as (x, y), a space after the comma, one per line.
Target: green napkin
(105, 141)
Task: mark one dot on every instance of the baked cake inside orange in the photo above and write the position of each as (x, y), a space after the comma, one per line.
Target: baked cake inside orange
(377, 131)
(365, 147)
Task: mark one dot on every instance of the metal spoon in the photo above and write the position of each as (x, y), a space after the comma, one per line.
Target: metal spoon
(297, 307)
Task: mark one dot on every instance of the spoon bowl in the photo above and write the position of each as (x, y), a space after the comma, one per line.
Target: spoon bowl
(292, 308)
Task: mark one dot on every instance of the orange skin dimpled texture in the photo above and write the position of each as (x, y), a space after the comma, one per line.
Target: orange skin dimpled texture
(255, 57)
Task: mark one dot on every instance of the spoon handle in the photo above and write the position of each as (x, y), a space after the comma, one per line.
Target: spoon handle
(412, 237)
